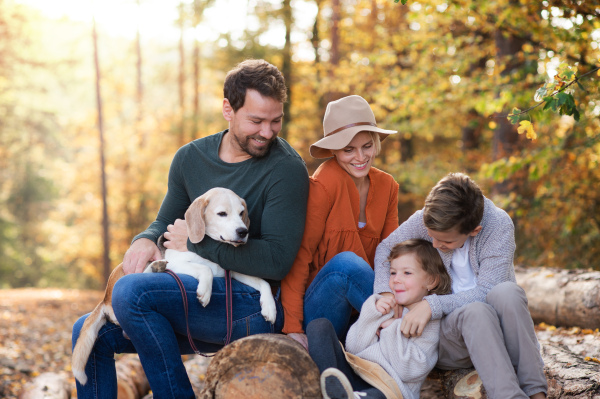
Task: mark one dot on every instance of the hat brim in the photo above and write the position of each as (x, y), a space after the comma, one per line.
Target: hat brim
(337, 141)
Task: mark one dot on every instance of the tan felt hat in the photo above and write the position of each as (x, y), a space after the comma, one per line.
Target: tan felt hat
(344, 118)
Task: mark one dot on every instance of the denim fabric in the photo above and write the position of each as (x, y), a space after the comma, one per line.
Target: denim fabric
(343, 284)
(150, 310)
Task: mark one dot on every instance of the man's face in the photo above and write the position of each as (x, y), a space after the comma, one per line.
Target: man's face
(450, 240)
(255, 126)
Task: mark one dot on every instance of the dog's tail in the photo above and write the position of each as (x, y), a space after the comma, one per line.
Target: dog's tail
(85, 342)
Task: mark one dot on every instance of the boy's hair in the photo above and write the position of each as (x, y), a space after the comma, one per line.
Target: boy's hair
(456, 202)
(430, 261)
(258, 75)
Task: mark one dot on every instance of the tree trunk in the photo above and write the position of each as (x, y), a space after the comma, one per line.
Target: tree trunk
(264, 366)
(105, 222)
(181, 80)
(562, 297)
(286, 68)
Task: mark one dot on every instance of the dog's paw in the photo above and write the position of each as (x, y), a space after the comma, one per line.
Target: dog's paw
(158, 266)
(204, 292)
(268, 310)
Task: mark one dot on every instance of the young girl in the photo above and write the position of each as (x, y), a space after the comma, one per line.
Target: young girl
(381, 361)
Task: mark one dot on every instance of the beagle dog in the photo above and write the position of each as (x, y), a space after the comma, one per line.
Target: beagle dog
(220, 214)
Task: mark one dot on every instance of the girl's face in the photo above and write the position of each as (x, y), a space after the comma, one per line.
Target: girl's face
(408, 281)
(357, 157)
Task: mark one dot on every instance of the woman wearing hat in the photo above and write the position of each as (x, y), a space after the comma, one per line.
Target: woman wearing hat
(352, 207)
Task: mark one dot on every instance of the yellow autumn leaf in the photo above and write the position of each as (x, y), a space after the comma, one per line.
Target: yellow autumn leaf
(527, 128)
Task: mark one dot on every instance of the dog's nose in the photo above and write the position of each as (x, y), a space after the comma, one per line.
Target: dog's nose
(242, 232)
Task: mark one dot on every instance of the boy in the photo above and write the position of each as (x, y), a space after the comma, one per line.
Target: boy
(485, 321)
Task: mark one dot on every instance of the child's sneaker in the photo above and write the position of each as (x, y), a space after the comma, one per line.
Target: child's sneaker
(335, 385)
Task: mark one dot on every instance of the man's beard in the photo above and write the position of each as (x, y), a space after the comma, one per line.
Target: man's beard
(247, 147)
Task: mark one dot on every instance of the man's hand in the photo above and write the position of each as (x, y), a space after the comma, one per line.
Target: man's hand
(415, 321)
(177, 236)
(301, 338)
(139, 254)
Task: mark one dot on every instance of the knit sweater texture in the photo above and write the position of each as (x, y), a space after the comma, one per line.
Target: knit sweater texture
(275, 188)
(491, 255)
(407, 360)
(332, 227)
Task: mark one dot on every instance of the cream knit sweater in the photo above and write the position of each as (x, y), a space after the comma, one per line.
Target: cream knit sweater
(406, 360)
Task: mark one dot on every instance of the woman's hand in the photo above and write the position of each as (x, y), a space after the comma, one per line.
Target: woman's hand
(414, 322)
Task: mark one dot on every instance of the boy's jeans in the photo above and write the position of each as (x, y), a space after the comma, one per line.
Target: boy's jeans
(343, 284)
(150, 310)
(498, 339)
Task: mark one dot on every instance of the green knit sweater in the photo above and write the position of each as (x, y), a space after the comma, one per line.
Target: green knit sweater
(275, 188)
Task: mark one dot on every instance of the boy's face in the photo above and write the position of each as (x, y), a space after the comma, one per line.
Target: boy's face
(450, 240)
(408, 281)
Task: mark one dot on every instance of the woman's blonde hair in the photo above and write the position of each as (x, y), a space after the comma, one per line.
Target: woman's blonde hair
(430, 261)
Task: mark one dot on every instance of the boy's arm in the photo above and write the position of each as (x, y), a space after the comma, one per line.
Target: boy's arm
(282, 224)
(411, 228)
(496, 249)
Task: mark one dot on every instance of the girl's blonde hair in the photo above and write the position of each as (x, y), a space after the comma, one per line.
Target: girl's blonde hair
(430, 261)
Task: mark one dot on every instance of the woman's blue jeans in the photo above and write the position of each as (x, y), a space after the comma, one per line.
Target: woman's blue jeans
(149, 308)
(342, 285)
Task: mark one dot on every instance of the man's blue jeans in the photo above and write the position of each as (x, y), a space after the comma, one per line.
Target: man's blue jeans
(343, 284)
(150, 310)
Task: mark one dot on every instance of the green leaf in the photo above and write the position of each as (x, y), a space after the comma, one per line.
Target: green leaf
(568, 75)
(404, 2)
(513, 117)
(561, 98)
(550, 103)
(581, 86)
(576, 115)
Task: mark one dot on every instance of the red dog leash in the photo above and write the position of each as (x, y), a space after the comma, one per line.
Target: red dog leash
(228, 305)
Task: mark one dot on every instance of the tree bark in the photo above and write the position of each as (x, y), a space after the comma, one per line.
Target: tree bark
(262, 366)
(562, 297)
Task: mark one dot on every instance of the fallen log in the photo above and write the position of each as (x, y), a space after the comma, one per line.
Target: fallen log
(263, 366)
(562, 297)
(47, 386)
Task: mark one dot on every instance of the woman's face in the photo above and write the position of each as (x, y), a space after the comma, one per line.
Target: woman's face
(357, 157)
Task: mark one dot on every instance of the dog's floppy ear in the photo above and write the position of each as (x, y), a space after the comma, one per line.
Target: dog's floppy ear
(245, 216)
(194, 219)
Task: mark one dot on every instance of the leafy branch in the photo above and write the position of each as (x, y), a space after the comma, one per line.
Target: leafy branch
(558, 100)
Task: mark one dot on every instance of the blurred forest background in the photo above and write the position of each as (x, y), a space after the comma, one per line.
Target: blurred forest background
(444, 73)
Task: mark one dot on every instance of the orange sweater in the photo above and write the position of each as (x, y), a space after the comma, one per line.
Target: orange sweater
(332, 227)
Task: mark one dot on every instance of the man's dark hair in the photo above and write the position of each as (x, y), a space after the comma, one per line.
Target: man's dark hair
(258, 75)
(456, 202)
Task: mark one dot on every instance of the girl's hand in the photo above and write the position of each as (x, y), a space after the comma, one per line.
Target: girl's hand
(414, 322)
(385, 304)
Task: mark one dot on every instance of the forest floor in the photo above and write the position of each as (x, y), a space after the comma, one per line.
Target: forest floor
(35, 336)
